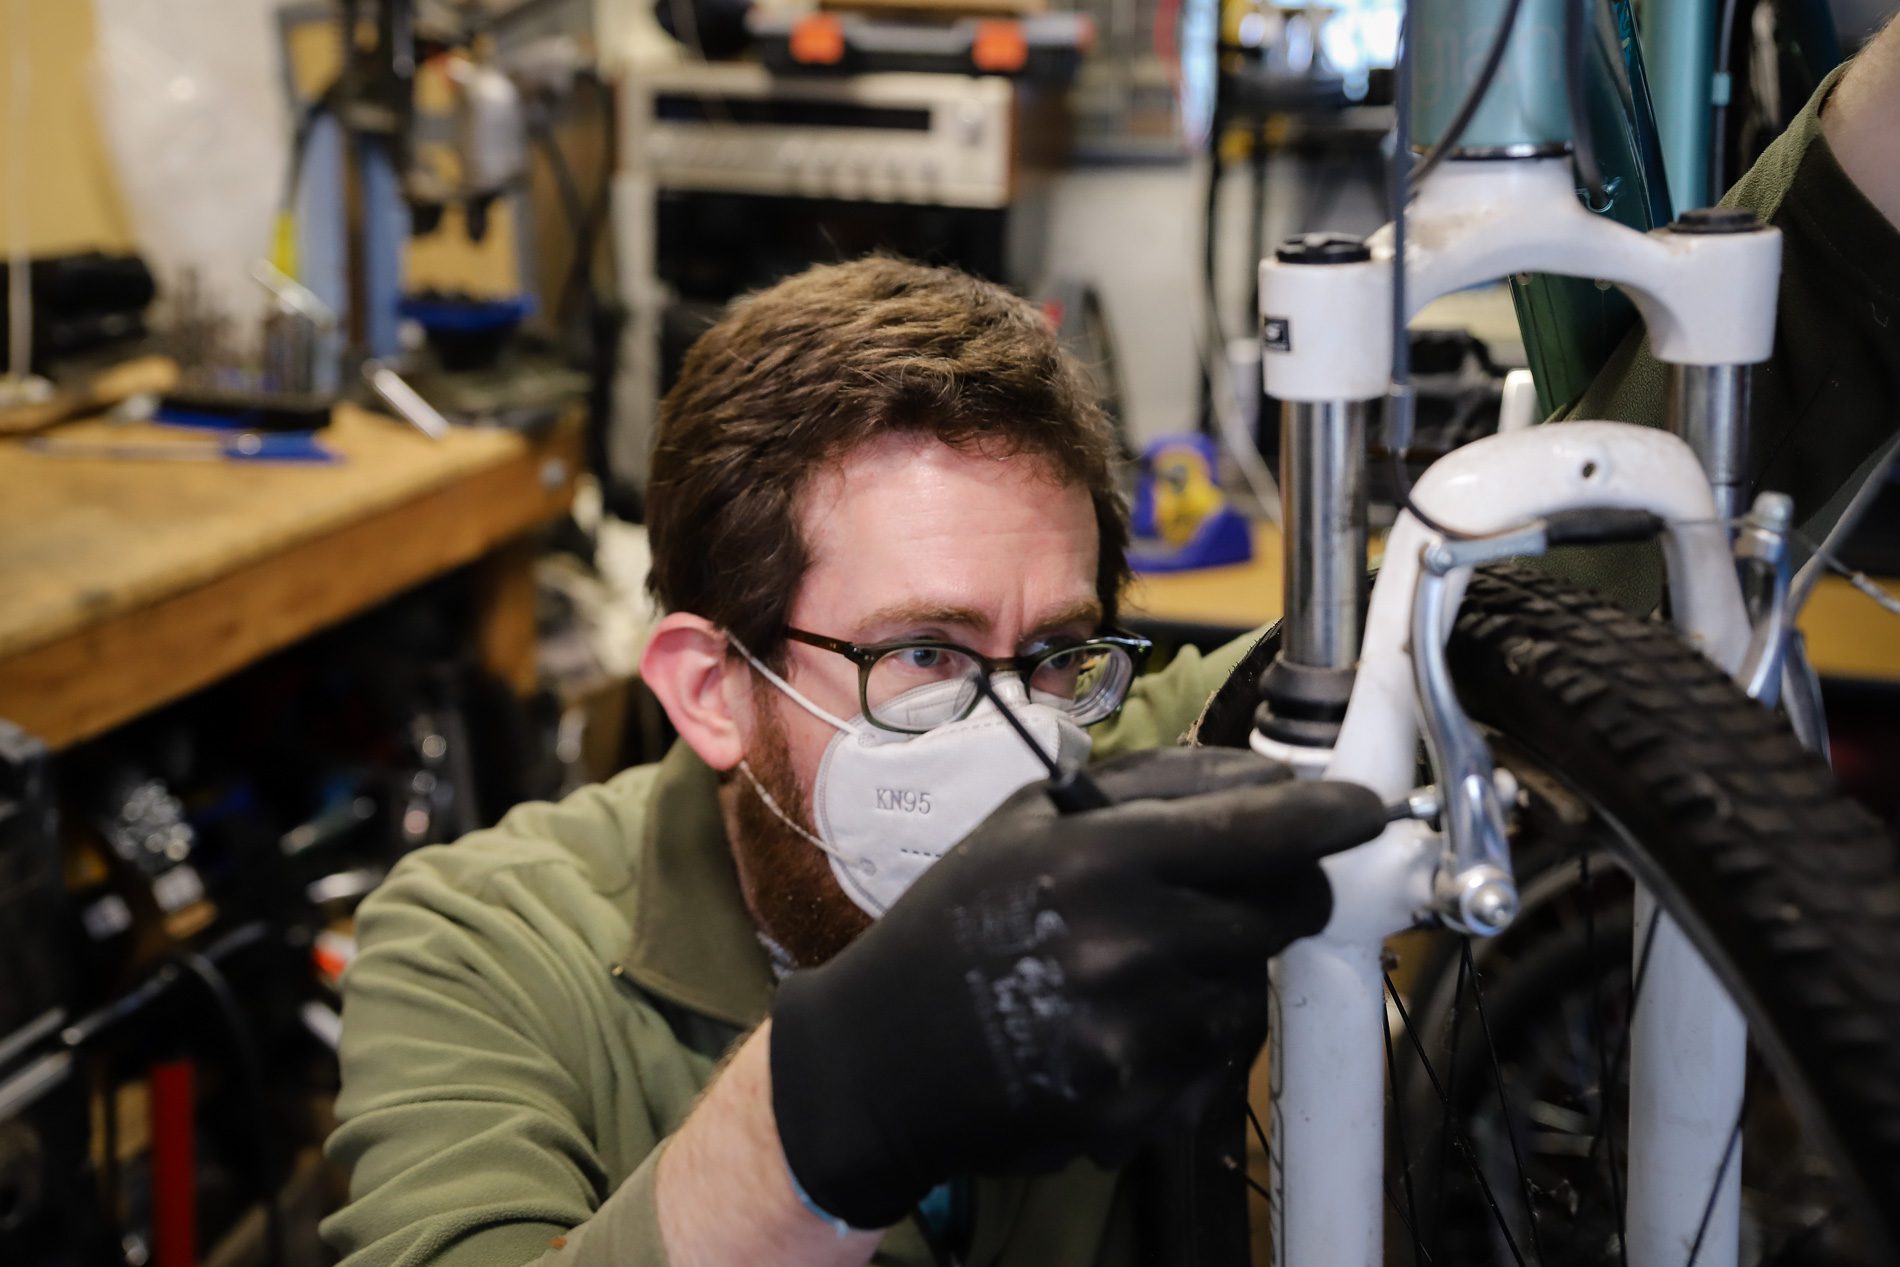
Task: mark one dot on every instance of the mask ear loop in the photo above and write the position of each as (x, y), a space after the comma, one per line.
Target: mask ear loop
(791, 691)
(770, 801)
(772, 804)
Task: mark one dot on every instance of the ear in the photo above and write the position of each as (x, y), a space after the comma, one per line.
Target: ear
(687, 666)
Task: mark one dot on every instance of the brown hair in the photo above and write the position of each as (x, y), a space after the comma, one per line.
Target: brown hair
(799, 375)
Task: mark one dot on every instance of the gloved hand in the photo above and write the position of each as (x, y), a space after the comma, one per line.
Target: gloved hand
(1055, 985)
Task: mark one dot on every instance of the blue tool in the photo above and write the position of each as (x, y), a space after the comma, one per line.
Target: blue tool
(292, 446)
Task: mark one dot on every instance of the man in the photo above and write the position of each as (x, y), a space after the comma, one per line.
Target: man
(876, 485)
(869, 476)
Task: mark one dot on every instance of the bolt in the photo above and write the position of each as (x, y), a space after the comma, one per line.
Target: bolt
(1773, 511)
(1509, 792)
(553, 474)
(1490, 907)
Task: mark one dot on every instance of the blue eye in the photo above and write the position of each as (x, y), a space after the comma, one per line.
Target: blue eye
(921, 657)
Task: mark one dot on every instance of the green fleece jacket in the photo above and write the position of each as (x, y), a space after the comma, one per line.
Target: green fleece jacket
(534, 1009)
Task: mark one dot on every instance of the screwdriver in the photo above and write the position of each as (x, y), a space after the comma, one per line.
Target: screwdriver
(1070, 787)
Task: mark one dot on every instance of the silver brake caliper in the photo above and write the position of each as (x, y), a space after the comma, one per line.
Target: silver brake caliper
(1474, 889)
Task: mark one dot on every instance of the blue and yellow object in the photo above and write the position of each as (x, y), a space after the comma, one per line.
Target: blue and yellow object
(1181, 520)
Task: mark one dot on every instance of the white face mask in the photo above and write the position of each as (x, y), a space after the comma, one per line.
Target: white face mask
(888, 805)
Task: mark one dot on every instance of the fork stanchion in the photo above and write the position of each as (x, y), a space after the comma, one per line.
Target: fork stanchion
(1323, 489)
(1708, 408)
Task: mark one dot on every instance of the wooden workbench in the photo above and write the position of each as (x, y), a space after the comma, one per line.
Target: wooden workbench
(1848, 636)
(128, 584)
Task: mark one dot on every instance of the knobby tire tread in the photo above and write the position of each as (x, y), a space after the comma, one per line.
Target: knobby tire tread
(1791, 889)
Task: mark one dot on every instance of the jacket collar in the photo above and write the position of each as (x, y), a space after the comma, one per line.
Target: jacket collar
(694, 942)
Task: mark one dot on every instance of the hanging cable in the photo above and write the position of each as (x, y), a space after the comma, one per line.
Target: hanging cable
(1856, 510)
(1224, 403)
(1403, 181)
(1468, 108)
(1869, 587)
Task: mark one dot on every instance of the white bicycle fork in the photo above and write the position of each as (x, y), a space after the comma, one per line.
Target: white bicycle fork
(1708, 299)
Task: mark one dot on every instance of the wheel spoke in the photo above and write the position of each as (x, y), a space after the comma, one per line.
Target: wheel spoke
(1411, 1226)
(1259, 1132)
(1715, 1190)
(1405, 1153)
(1504, 1110)
(1445, 1117)
(1459, 1138)
(1259, 1189)
(1606, 1089)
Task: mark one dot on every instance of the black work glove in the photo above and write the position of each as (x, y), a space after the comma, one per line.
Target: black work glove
(1056, 985)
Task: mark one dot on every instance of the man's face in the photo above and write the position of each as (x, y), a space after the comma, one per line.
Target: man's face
(908, 538)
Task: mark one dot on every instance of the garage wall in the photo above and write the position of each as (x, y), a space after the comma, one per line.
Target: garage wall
(1136, 233)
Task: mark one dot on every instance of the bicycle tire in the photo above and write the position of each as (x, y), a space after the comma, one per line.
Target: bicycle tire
(1789, 889)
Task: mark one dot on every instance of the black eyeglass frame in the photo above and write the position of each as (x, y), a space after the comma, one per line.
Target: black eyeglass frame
(866, 655)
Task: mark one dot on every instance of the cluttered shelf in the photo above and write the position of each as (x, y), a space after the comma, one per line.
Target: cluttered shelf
(130, 583)
(1845, 636)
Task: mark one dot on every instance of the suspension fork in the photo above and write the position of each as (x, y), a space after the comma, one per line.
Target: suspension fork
(1706, 302)
(1323, 486)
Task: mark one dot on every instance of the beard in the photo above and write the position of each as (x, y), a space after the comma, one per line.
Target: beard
(785, 879)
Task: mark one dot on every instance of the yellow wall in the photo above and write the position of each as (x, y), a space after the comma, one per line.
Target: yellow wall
(72, 201)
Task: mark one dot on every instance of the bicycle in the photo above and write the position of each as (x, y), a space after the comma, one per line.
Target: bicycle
(1768, 904)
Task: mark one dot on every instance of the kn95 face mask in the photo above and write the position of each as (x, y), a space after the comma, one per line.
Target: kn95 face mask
(888, 805)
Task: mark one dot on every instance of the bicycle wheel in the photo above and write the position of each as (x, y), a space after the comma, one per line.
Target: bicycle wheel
(1629, 745)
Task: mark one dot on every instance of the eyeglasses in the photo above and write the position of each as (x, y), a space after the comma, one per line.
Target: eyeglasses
(918, 684)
